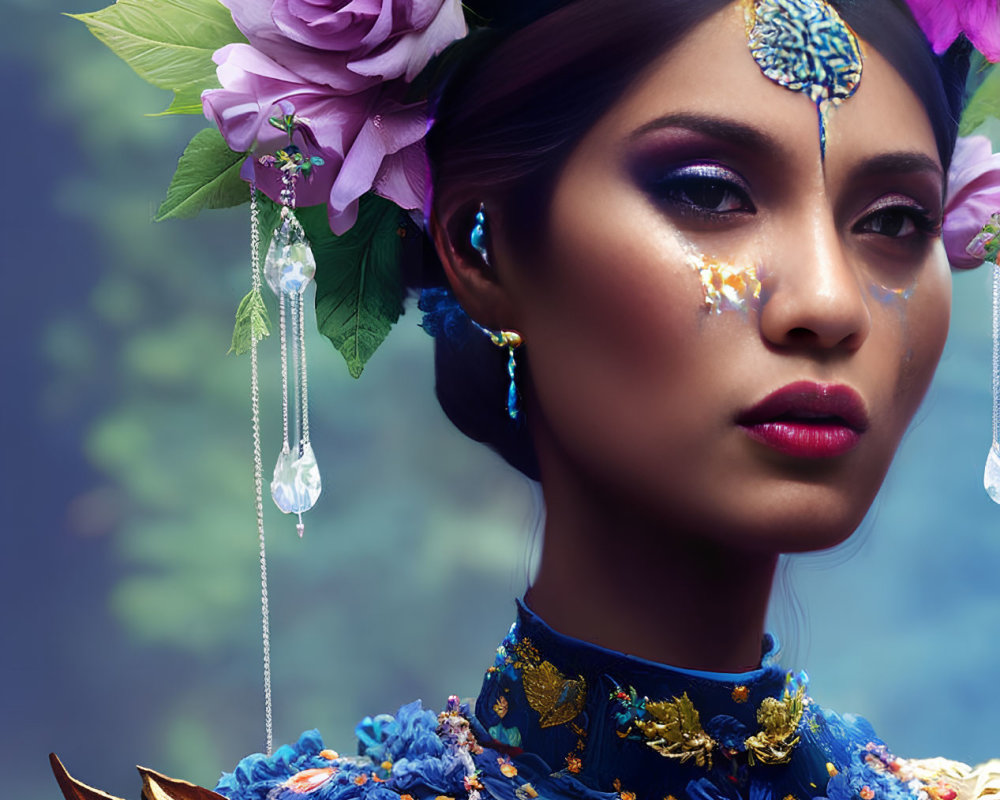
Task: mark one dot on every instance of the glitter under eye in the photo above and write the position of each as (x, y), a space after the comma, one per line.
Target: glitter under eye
(725, 285)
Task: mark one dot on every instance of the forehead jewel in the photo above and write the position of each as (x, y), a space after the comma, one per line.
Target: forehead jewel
(805, 46)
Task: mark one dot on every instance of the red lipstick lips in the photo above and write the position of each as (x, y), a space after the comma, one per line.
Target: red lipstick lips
(807, 420)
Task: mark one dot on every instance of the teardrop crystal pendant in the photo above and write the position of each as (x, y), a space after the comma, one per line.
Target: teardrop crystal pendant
(991, 475)
(296, 485)
(289, 265)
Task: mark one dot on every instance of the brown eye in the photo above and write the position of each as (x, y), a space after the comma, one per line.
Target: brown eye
(709, 195)
(895, 223)
(897, 217)
(709, 190)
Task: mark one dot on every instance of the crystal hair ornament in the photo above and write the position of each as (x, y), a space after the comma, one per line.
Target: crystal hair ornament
(348, 68)
(986, 245)
(805, 46)
(971, 236)
(289, 268)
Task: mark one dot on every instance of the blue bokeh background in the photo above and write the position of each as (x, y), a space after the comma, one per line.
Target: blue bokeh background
(129, 587)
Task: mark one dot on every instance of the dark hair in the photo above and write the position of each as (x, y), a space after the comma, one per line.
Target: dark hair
(512, 101)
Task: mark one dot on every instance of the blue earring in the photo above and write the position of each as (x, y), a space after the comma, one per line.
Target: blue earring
(478, 236)
(509, 339)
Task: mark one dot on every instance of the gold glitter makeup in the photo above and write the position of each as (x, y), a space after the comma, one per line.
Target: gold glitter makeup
(724, 284)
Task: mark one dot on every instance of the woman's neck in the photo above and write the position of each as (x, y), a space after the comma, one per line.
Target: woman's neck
(643, 588)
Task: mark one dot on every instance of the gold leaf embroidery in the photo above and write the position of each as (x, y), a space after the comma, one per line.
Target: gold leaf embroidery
(779, 721)
(556, 698)
(674, 730)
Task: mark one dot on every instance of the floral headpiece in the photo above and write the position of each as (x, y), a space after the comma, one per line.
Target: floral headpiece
(338, 81)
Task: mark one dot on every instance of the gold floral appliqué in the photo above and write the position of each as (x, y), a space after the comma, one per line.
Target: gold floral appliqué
(674, 730)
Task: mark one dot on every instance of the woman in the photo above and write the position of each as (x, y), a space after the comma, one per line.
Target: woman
(715, 228)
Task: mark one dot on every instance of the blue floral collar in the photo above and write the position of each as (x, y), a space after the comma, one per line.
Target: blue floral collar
(560, 719)
(624, 724)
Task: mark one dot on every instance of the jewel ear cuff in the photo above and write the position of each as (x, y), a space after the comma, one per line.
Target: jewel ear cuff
(477, 238)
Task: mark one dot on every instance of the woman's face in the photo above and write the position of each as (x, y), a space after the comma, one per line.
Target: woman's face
(767, 422)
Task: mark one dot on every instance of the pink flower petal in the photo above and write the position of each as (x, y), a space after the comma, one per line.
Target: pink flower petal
(410, 54)
(939, 21)
(402, 177)
(322, 26)
(389, 131)
(981, 24)
(973, 196)
(341, 65)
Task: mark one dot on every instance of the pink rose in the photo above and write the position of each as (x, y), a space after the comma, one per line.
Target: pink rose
(343, 65)
(943, 20)
(350, 44)
(973, 197)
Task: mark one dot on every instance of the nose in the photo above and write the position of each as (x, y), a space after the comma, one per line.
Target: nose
(812, 296)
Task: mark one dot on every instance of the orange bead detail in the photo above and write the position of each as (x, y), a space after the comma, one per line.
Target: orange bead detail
(309, 779)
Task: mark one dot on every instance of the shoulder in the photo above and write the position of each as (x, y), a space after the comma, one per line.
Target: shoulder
(967, 783)
(414, 754)
(395, 752)
(862, 766)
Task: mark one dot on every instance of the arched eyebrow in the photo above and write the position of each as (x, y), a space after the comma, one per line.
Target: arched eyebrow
(901, 163)
(751, 138)
(722, 128)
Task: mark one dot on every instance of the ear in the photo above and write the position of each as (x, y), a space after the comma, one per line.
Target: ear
(477, 285)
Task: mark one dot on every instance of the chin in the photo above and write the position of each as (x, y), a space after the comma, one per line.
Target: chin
(801, 519)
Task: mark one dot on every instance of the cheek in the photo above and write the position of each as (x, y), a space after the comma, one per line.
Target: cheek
(611, 296)
(921, 316)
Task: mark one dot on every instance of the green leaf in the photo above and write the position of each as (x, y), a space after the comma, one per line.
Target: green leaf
(207, 176)
(187, 99)
(252, 323)
(168, 43)
(359, 283)
(985, 103)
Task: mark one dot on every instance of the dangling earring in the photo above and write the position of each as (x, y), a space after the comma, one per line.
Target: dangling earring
(509, 339)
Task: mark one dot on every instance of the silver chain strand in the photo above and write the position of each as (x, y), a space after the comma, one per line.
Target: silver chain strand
(258, 474)
(304, 385)
(283, 335)
(288, 207)
(996, 354)
(293, 347)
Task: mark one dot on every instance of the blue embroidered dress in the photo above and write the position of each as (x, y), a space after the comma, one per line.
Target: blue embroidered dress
(559, 718)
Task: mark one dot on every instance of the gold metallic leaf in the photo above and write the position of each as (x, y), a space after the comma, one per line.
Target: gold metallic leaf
(556, 698)
(159, 787)
(72, 789)
(779, 721)
(674, 730)
(155, 786)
